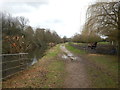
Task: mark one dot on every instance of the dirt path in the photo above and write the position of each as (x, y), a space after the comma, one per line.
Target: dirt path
(76, 75)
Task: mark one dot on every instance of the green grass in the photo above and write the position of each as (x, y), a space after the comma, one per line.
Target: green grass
(80, 44)
(99, 79)
(104, 43)
(109, 64)
(74, 50)
(55, 77)
(101, 43)
(53, 52)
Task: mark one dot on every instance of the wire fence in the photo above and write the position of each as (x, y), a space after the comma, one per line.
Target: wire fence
(13, 63)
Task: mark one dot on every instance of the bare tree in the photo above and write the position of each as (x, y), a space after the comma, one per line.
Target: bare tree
(103, 17)
(17, 36)
(23, 22)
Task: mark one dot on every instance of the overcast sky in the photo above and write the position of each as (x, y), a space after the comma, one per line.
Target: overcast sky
(66, 17)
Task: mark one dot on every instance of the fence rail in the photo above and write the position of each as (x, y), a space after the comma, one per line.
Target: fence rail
(13, 54)
(14, 60)
(14, 63)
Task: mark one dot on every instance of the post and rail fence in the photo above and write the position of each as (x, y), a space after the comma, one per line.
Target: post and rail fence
(13, 63)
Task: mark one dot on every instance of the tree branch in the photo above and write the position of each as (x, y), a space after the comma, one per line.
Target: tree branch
(109, 14)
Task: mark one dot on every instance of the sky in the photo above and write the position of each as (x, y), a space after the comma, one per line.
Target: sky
(66, 17)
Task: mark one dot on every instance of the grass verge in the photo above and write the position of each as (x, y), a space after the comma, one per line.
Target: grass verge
(74, 50)
(106, 73)
(103, 72)
(48, 72)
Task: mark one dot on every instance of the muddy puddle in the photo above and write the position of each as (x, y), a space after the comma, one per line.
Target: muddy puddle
(68, 54)
(64, 56)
